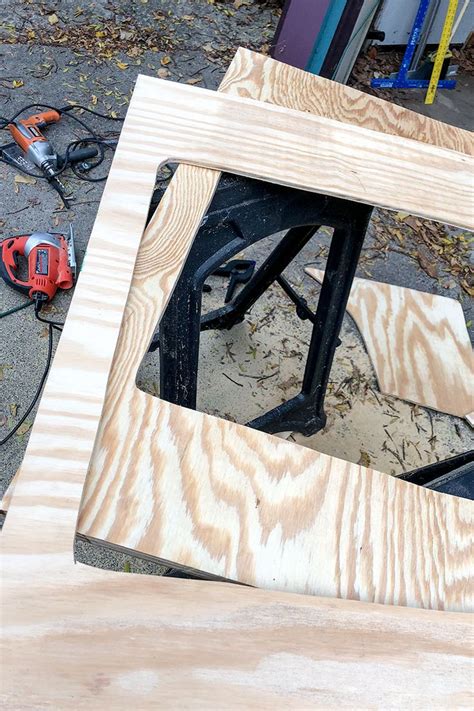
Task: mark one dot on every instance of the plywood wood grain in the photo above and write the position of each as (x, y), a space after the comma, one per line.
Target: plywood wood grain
(418, 344)
(201, 493)
(80, 638)
(284, 85)
(75, 637)
(256, 76)
(206, 494)
(297, 149)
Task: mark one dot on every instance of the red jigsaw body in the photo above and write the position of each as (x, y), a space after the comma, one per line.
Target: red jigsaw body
(49, 264)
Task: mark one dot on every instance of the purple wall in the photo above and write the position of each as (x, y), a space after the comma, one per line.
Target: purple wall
(297, 31)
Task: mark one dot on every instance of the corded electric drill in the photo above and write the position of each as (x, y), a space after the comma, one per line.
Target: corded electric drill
(38, 150)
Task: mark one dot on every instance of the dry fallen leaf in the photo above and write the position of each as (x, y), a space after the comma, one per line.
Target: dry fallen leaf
(364, 459)
(3, 368)
(165, 60)
(467, 287)
(411, 222)
(122, 65)
(163, 73)
(13, 408)
(427, 265)
(401, 215)
(53, 19)
(238, 3)
(23, 429)
(17, 83)
(194, 80)
(25, 179)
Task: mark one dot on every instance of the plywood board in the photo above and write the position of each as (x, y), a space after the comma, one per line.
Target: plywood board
(76, 637)
(200, 492)
(418, 344)
(296, 149)
(254, 76)
(81, 638)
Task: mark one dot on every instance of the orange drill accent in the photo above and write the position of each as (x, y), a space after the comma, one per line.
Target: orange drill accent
(25, 132)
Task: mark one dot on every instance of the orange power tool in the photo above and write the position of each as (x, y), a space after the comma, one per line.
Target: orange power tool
(38, 150)
(51, 263)
(27, 135)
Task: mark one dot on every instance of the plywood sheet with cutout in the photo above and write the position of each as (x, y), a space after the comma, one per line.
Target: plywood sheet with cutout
(256, 76)
(298, 149)
(205, 494)
(201, 493)
(418, 344)
(75, 637)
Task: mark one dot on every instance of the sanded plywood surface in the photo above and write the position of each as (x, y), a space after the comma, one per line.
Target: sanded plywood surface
(76, 637)
(297, 149)
(418, 344)
(284, 85)
(201, 493)
(104, 640)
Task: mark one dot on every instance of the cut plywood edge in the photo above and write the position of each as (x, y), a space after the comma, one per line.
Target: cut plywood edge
(418, 344)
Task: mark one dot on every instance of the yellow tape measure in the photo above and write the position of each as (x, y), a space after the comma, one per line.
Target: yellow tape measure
(441, 53)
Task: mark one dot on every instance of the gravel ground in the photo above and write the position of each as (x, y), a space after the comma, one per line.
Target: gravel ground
(58, 53)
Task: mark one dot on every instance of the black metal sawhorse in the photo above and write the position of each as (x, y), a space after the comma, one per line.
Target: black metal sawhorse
(242, 212)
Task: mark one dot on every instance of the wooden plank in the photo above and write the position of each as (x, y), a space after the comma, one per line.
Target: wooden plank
(287, 86)
(418, 344)
(297, 149)
(80, 638)
(207, 494)
(77, 637)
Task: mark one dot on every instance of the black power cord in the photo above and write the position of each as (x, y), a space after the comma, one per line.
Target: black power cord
(38, 302)
(16, 308)
(52, 326)
(101, 143)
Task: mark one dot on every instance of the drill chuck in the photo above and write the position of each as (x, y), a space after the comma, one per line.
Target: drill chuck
(41, 154)
(48, 169)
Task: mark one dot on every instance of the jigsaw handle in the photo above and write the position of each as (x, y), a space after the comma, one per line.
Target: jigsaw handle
(11, 249)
